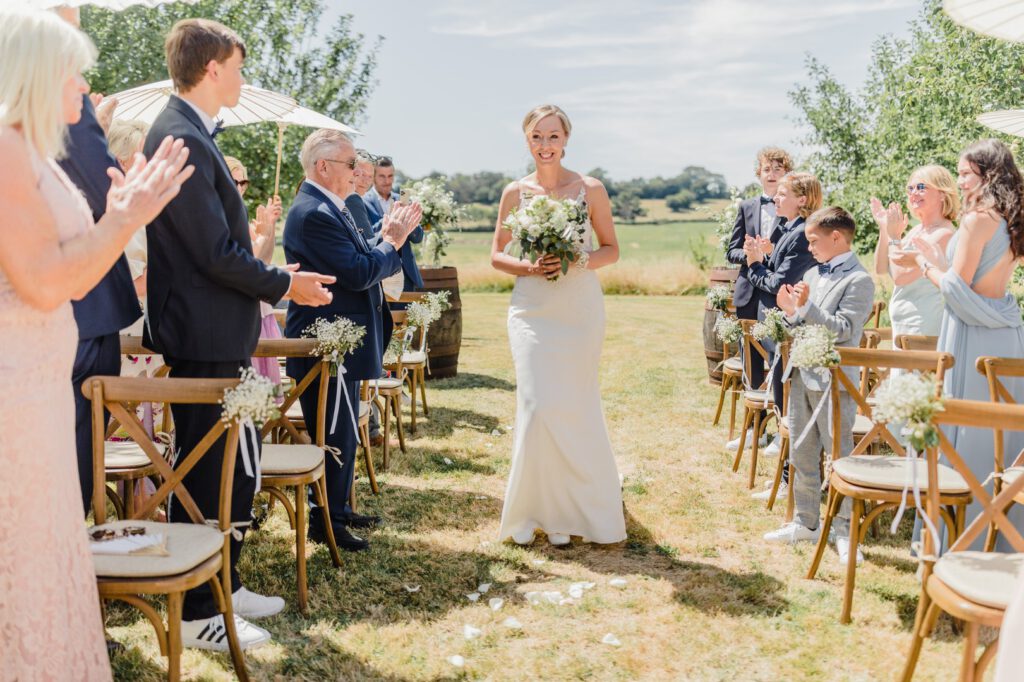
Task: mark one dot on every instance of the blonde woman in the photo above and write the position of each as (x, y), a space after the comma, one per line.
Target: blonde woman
(916, 304)
(563, 479)
(50, 252)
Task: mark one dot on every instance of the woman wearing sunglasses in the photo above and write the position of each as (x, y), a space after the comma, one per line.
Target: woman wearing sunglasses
(916, 304)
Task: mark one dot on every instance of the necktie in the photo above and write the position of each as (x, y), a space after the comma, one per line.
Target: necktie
(218, 128)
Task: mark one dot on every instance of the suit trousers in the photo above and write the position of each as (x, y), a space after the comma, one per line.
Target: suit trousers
(339, 477)
(807, 457)
(97, 356)
(191, 424)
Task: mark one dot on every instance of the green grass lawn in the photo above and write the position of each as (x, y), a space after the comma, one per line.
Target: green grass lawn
(704, 599)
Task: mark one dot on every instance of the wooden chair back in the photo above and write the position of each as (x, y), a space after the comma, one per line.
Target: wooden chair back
(132, 345)
(298, 348)
(881, 362)
(995, 370)
(753, 351)
(118, 394)
(876, 313)
(916, 342)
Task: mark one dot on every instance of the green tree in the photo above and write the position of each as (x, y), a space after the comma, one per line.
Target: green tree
(327, 69)
(918, 106)
(626, 206)
(681, 200)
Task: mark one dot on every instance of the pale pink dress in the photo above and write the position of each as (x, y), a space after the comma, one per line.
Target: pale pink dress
(50, 626)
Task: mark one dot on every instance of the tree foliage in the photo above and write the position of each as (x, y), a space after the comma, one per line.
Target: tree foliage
(918, 106)
(326, 68)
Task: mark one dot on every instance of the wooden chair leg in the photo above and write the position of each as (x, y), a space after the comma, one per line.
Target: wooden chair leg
(754, 448)
(421, 379)
(925, 610)
(748, 417)
(224, 603)
(721, 400)
(777, 481)
(834, 500)
(734, 397)
(851, 563)
(385, 428)
(412, 403)
(300, 547)
(967, 666)
(174, 603)
(115, 500)
(320, 493)
(368, 460)
(396, 405)
(986, 657)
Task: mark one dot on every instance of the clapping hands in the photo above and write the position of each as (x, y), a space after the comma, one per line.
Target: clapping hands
(791, 298)
(756, 248)
(401, 220)
(891, 219)
(137, 197)
(266, 218)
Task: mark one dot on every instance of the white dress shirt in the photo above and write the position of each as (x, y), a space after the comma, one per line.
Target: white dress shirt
(767, 219)
(208, 122)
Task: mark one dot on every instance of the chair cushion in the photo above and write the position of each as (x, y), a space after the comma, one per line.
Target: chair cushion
(386, 383)
(414, 357)
(890, 473)
(295, 411)
(126, 454)
(733, 364)
(188, 544)
(759, 396)
(987, 578)
(784, 424)
(861, 425)
(1012, 474)
(289, 459)
(364, 409)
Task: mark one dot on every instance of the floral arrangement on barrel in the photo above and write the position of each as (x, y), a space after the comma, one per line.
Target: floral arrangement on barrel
(718, 298)
(546, 226)
(440, 214)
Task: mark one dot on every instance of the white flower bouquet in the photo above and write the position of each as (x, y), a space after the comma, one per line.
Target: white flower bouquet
(913, 399)
(772, 327)
(253, 400)
(546, 226)
(424, 313)
(440, 212)
(726, 219)
(399, 345)
(728, 329)
(434, 246)
(335, 338)
(814, 347)
(718, 298)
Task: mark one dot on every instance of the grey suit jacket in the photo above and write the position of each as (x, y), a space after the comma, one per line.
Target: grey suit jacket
(842, 303)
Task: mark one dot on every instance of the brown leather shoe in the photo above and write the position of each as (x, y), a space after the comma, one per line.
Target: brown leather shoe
(377, 441)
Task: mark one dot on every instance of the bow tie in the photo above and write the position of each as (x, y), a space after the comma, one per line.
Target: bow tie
(218, 128)
(824, 269)
(766, 200)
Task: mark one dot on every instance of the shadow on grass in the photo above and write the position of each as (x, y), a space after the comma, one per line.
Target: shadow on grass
(410, 510)
(470, 380)
(435, 461)
(443, 421)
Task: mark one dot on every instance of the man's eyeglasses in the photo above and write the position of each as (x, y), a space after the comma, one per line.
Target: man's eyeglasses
(351, 163)
(242, 184)
(919, 187)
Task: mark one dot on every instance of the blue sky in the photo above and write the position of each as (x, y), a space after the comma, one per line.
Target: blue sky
(650, 85)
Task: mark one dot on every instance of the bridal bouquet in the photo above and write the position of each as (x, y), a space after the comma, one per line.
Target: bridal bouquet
(718, 298)
(728, 329)
(253, 400)
(814, 347)
(546, 226)
(910, 398)
(772, 327)
(335, 338)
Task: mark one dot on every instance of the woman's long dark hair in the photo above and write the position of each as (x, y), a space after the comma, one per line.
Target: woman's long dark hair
(1002, 188)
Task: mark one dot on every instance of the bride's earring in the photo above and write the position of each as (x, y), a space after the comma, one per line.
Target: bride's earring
(563, 152)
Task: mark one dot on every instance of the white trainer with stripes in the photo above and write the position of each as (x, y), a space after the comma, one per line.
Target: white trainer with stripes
(210, 634)
(251, 605)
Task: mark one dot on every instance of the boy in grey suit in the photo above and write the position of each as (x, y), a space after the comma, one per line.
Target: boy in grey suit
(838, 294)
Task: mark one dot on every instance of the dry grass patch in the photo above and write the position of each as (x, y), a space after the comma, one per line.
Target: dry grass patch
(704, 599)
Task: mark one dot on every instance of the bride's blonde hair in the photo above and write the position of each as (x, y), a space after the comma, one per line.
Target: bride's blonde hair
(39, 52)
(543, 111)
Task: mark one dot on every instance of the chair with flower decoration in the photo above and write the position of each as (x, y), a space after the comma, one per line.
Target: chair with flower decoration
(997, 372)
(732, 384)
(758, 402)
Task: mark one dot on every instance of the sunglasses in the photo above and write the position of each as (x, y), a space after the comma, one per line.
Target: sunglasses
(350, 163)
(105, 534)
(919, 187)
(242, 184)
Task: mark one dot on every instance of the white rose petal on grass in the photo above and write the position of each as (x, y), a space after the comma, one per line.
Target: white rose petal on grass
(448, 461)
(473, 596)
(496, 603)
(512, 623)
(457, 661)
(483, 588)
(576, 592)
(539, 562)
(617, 582)
(565, 602)
(496, 432)
(470, 632)
(611, 640)
(411, 588)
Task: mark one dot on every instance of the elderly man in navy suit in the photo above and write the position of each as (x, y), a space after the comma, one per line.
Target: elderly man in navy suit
(379, 200)
(322, 234)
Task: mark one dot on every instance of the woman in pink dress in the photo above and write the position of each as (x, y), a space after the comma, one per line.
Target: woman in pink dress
(50, 252)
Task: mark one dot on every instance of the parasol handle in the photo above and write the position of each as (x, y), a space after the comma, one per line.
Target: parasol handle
(280, 144)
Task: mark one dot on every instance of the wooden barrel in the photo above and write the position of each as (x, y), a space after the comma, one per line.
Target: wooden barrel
(444, 339)
(712, 346)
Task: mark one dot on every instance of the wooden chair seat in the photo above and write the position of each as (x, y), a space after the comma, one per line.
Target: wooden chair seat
(387, 384)
(414, 357)
(986, 578)
(759, 397)
(890, 473)
(126, 454)
(734, 364)
(279, 460)
(189, 545)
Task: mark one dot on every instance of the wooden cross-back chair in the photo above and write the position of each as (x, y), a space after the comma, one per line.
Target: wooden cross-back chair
(915, 342)
(876, 313)
(974, 587)
(758, 402)
(878, 480)
(995, 371)
(389, 390)
(415, 361)
(297, 464)
(732, 384)
(197, 552)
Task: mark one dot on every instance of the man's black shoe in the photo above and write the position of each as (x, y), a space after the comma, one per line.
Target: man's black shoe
(342, 536)
(360, 521)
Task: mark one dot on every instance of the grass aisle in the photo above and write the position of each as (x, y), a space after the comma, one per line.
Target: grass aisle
(703, 598)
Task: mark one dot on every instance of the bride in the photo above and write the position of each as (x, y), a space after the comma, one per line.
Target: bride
(563, 479)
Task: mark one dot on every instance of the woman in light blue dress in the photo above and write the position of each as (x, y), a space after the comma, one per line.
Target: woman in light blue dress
(980, 317)
(916, 304)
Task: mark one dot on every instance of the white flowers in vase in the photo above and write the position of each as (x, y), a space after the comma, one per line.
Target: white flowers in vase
(547, 226)
(440, 213)
(335, 338)
(814, 347)
(772, 327)
(718, 298)
(728, 329)
(913, 399)
(253, 400)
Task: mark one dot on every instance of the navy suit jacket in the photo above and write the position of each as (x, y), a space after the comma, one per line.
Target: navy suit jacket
(788, 262)
(204, 284)
(375, 210)
(111, 305)
(319, 237)
(748, 224)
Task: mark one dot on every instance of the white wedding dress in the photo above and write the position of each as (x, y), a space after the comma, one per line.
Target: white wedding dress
(563, 478)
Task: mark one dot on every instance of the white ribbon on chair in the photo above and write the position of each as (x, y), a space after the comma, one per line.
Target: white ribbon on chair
(340, 367)
(771, 370)
(910, 482)
(250, 459)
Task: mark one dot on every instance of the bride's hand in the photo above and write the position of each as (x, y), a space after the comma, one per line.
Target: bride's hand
(546, 266)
